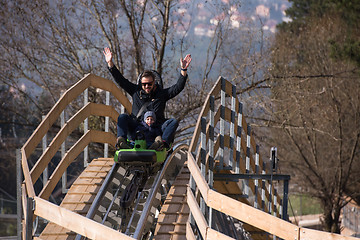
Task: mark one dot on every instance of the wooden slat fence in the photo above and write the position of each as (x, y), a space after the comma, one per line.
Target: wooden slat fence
(223, 143)
(225, 135)
(37, 201)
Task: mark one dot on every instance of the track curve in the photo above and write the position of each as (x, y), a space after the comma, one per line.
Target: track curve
(80, 196)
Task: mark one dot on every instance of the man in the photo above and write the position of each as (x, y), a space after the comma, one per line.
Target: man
(147, 96)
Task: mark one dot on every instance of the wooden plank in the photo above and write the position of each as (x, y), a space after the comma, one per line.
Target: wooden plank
(243, 146)
(104, 110)
(306, 233)
(24, 205)
(242, 168)
(59, 138)
(76, 202)
(216, 88)
(54, 114)
(252, 216)
(29, 186)
(73, 152)
(189, 232)
(196, 213)
(206, 107)
(110, 86)
(212, 234)
(69, 127)
(196, 174)
(103, 137)
(195, 138)
(228, 87)
(174, 212)
(75, 222)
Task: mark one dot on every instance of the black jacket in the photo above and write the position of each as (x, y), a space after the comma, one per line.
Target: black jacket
(158, 98)
(150, 132)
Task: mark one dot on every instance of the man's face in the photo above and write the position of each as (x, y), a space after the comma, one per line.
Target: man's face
(149, 120)
(147, 84)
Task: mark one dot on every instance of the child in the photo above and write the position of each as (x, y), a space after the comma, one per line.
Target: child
(151, 131)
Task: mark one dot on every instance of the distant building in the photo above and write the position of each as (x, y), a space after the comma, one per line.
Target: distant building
(204, 30)
(217, 19)
(237, 20)
(270, 25)
(262, 11)
(351, 220)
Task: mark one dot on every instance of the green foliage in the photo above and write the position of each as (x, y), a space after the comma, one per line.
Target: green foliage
(303, 9)
(300, 204)
(7, 229)
(350, 50)
(303, 12)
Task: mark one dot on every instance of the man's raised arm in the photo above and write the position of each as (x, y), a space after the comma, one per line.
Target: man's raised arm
(108, 57)
(184, 64)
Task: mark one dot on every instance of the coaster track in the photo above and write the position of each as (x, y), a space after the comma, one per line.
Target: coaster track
(218, 187)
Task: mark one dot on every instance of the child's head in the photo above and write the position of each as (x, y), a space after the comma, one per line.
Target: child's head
(149, 118)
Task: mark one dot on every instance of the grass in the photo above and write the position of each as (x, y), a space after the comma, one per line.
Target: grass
(303, 205)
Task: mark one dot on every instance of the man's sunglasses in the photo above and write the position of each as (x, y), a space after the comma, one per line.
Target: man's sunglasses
(148, 83)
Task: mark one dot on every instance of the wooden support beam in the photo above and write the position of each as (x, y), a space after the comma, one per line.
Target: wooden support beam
(73, 152)
(306, 233)
(189, 232)
(75, 222)
(54, 114)
(213, 92)
(29, 186)
(252, 216)
(215, 235)
(110, 86)
(196, 174)
(196, 213)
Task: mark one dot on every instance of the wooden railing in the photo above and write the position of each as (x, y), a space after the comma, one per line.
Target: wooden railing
(243, 212)
(237, 154)
(204, 151)
(41, 207)
(234, 138)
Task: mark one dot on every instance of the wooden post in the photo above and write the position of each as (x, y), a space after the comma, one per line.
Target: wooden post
(238, 139)
(18, 193)
(44, 145)
(247, 159)
(263, 188)
(222, 123)
(285, 200)
(63, 147)
(106, 145)
(257, 168)
(232, 127)
(30, 207)
(203, 159)
(211, 152)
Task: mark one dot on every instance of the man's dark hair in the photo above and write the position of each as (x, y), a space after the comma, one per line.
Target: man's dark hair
(148, 73)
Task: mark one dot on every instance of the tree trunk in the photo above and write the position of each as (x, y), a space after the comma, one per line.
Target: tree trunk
(331, 216)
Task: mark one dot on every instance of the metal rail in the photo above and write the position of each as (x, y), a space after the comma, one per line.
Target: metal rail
(140, 226)
(154, 189)
(95, 205)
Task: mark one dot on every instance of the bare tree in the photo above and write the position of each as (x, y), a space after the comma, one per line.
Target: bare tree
(316, 120)
(48, 45)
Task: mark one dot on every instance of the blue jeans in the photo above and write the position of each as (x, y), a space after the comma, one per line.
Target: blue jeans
(126, 126)
(169, 128)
